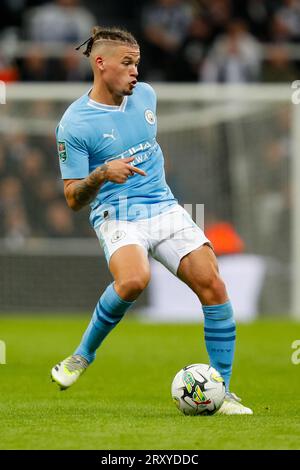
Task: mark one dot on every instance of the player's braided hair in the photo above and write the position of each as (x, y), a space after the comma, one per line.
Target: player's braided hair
(108, 34)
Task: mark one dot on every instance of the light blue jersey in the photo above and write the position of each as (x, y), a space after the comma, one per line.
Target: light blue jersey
(90, 134)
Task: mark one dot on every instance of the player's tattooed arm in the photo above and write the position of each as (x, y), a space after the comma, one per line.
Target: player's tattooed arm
(86, 190)
(79, 193)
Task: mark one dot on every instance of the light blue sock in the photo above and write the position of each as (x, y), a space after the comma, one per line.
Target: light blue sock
(108, 312)
(219, 329)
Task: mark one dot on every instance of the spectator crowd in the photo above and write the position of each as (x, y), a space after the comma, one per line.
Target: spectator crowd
(191, 40)
(32, 203)
(225, 41)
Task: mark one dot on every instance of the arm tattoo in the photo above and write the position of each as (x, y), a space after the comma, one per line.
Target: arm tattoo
(87, 189)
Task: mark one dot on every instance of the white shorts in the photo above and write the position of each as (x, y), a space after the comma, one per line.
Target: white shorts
(167, 237)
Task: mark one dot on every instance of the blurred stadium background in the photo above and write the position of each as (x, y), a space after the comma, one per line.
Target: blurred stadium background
(223, 71)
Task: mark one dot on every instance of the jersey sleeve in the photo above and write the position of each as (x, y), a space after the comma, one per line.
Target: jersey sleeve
(72, 152)
(150, 93)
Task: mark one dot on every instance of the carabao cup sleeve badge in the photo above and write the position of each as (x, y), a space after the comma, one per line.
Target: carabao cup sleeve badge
(62, 150)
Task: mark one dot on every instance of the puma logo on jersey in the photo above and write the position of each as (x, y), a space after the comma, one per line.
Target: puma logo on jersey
(110, 136)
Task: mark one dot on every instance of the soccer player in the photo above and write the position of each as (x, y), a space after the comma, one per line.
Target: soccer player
(110, 159)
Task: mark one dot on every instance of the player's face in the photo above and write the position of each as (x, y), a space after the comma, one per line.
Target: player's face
(120, 70)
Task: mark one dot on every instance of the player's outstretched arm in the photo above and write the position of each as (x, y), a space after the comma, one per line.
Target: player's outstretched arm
(80, 192)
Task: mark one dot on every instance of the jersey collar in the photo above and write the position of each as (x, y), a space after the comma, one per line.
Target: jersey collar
(108, 107)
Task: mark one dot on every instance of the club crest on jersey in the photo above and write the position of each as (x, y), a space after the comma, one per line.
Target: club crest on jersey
(62, 151)
(118, 235)
(149, 116)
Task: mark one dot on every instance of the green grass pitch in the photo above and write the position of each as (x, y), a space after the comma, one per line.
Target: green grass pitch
(124, 402)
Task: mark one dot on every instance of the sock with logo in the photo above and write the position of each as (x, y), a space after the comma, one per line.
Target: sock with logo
(108, 312)
(219, 329)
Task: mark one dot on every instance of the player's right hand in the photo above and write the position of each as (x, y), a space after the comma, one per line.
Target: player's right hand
(117, 171)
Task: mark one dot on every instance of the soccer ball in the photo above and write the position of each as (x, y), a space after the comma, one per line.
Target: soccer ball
(198, 389)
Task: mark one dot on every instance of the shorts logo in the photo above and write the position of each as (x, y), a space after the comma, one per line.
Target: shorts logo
(118, 235)
(149, 116)
(62, 151)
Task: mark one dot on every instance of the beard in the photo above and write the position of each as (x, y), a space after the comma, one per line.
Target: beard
(128, 92)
